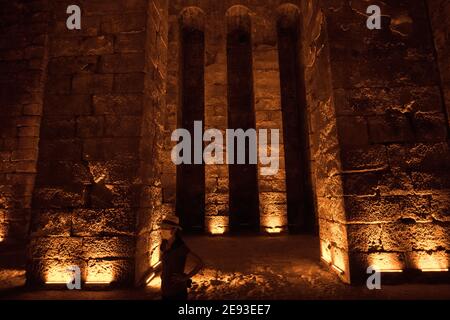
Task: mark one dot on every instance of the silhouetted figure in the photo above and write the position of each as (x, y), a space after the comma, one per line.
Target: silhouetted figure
(174, 253)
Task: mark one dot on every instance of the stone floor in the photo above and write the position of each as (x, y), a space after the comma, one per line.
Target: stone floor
(250, 267)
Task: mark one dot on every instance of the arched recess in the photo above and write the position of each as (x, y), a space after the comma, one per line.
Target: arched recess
(300, 201)
(190, 191)
(244, 203)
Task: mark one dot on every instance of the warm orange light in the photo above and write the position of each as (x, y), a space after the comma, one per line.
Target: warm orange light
(154, 283)
(153, 275)
(386, 262)
(339, 270)
(217, 224)
(100, 273)
(2, 233)
(389, 270)
(339, 259)
(274, 229)
(435, 262)
(325, 251)
(435, 270)
(155, 256)
(273, 224)
(58, 274)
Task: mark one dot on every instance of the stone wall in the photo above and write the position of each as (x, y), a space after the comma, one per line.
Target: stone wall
(439, 15)
(324, 144)
(97, 143)
(92, 111)
(152, 137)
(23, 62)
(393, 136)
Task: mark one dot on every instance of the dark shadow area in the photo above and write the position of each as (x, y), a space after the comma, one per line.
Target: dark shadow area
(190, 202)
(244, 205)
(300, 204)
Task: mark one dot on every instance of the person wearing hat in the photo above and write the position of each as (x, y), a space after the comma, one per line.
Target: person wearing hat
(174, 253)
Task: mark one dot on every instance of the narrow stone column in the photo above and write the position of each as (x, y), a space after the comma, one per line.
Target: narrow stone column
(266, 73)
(216, 175)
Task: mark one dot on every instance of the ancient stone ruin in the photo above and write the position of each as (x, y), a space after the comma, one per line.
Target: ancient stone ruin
(87, 115)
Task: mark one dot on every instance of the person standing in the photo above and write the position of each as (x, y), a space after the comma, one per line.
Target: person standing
(174, 253)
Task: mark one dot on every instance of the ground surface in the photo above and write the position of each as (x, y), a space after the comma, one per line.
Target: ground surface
(284, 267)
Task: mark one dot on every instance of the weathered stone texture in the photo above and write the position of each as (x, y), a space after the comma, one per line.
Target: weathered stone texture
(99, 133)
(439, 14)
(87, 115)
(392, 131)
(23, 64)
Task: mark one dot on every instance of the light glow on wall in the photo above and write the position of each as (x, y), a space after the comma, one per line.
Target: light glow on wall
(3, 227)
(100, 273)
(325, 251)
(217, 225)
(339, 260)
(435, 270)
(436, 262)
(58, 274)
(336, 268)
(385, 262)
(274, 224)
(332, 257)
(154, 283)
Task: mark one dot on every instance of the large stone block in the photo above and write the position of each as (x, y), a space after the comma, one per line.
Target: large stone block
(122, 63)
(67, 196)
(129, 82)
(108, 247)
(130, 42)
(60, 149)
(103, 222)
(389, 208)
(60, 173)
(120, 271)
(89, 126)
(58, 127)
(124, 104)
(122, 126)
(73, 46)
(111, 149)
(92, 83)
(420, 156)
(56, 248)
(352, 131)
(118, 23)
(71, 65)
(430, 127)
(67, 105)
(54, 223)
(390, 128)
(364, 157)
(113, 171)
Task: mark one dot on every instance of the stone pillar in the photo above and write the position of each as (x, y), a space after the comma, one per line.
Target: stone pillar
(97, 135)
(23, 60)
(266, 73)
(216, 219)
(323, 141)
(152, 208)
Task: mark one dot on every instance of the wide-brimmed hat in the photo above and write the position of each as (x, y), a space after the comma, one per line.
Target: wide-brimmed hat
(170, 222)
